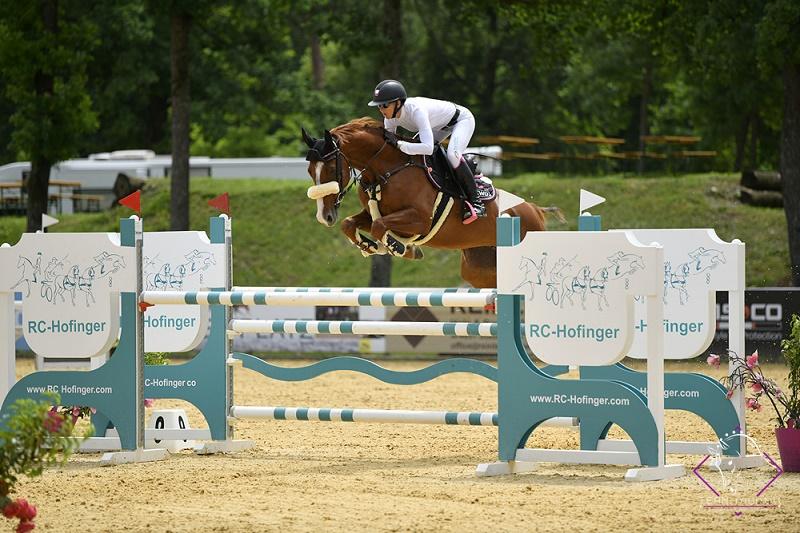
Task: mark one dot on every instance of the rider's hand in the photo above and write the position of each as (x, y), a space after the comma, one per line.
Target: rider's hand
(390, 137)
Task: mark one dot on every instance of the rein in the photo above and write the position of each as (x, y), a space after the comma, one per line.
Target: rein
(356, 177)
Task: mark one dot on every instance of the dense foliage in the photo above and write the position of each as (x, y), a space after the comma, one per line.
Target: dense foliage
(261, 68)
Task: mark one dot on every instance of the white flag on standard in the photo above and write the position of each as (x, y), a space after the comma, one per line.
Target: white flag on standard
(48, 221)
(589, 200)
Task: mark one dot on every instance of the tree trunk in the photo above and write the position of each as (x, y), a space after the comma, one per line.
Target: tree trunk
(38, 181)
(391, 67)
(380, 272)
(790, 163)
(741, 141)
(179, 205)
(317, 66)
(36, 188)
(644, 127)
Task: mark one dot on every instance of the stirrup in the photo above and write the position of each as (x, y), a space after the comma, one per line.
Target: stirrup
(472, 211)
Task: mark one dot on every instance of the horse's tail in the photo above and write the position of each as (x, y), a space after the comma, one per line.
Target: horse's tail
(554, 211)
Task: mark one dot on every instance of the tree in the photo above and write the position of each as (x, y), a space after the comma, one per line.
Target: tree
(180, 98)
(128, 77)
(779, 51)
(47, 88)
(729, 96)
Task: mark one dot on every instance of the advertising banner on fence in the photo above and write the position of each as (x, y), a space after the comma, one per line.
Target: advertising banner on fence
(767, 314)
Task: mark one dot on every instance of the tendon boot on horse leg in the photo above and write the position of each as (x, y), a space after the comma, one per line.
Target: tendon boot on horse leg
(473, 207)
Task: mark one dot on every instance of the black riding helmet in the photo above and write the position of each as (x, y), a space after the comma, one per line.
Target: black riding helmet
(388, 91)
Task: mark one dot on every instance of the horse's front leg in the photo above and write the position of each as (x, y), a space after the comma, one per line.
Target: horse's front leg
(408, 221)
(356, 228)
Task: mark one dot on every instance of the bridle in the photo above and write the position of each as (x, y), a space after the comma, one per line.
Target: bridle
(337, 154)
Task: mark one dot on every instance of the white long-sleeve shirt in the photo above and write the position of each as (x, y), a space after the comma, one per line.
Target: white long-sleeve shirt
(426, 116)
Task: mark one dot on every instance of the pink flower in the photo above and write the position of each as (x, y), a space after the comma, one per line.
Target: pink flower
(149, 402)
(713, 360)
(26, 511)
(25, 526)
(729, 394)
(10, 510)
(53, 421)
(756, 387)
(753, 404)
(76, 411)
(752, 360)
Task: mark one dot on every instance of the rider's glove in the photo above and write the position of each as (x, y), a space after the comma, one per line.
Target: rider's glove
(390, 137)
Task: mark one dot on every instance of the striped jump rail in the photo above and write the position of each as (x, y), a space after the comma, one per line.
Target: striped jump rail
(378, 416)
(336, 327)
(469, 290)
(330, 414)
(352, 299)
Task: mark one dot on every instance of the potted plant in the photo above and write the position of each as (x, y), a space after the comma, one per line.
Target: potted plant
(747, 375)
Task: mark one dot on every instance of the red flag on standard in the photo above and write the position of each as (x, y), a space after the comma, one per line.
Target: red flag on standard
(132, 201)
(221, 203)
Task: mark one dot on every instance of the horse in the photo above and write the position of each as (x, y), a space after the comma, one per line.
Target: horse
(399, 201)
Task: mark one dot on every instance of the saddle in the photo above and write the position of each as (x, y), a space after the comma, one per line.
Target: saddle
(442, 176)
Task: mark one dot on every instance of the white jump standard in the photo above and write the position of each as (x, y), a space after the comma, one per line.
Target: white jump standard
(590, 329)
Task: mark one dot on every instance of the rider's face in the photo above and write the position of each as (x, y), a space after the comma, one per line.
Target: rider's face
(387, 110)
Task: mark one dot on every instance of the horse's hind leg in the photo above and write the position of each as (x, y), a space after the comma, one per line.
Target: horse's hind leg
(479, 267)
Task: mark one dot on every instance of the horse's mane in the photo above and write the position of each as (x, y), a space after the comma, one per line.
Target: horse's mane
(345, 132)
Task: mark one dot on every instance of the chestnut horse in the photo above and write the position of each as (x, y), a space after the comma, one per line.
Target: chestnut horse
(399, 201)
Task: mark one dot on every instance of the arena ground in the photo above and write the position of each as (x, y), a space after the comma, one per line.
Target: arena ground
(317, 476)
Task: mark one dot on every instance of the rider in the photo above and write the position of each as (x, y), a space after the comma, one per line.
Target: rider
(434, 120)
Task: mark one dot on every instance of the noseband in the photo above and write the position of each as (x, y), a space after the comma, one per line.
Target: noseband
(355, 177)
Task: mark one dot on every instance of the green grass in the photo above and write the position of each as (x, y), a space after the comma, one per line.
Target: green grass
(277, 240)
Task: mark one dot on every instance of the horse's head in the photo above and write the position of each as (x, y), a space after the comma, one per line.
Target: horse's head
(330, 172)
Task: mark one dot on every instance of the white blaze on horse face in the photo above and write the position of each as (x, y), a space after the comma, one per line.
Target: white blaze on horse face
(320, 204)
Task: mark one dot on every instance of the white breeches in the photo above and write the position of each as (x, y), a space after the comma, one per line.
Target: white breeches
(460, 137)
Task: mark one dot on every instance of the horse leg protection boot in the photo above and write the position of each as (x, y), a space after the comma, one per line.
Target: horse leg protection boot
(473, 207)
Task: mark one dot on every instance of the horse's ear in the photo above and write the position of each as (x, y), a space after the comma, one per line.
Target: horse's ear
(308, 139)
(328, 138)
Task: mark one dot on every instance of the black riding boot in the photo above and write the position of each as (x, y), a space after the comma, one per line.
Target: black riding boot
(473, 208)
